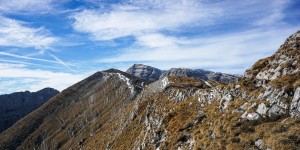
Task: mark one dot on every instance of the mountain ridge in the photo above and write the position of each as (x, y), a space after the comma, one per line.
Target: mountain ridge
(115, 110)
(16, 105)
(153, 74)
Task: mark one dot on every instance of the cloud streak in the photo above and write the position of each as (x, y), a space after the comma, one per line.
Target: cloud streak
(231, 53)
(134, 19)
(18, 77)
(32, 7)
(14, 33)
(28, 58)
(61, 62)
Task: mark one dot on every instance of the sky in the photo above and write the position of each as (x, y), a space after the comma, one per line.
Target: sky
(56, 43)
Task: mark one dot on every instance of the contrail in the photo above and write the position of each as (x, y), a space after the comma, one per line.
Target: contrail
(61, 62)
(43, 48)
(29, 58)
(27, 63)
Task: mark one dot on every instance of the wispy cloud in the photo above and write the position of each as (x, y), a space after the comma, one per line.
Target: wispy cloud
(29, 6)
(57, 60)
(158, 28)
(34, 79)
(232, 53)
(15, 33)
(61, 62)
(26, 57)
(133, 19)
(23, 63)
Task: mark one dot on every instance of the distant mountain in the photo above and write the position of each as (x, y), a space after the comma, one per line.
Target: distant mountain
(17, 105)
(153, 74)
(114, 110)
(145, 72)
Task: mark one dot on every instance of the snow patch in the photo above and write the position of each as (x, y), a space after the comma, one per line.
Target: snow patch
(123, 78)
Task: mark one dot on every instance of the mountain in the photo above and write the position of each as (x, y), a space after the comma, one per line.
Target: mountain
(17, 105)
(153, 74)
(116, 110)
(145, 72)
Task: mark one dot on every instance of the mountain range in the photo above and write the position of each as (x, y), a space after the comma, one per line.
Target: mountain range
(147, 108)
(17, 105)
(153, 74)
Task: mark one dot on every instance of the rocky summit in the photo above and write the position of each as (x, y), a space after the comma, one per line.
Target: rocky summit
(145, 72)
(115, 110)
(17, 105)
(153, 74)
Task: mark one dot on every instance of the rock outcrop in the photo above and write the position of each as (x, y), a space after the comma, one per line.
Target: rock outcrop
(17, 105)
(116, 110)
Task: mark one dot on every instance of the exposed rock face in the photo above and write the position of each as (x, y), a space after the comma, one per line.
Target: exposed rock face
(154, 74)
(201, 74)
(145, 72)
(295, 105)
(115, 110)
(17, 105)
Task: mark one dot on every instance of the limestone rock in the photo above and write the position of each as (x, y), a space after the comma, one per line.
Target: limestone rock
(276, 111)
(262, 109)
(295, 105)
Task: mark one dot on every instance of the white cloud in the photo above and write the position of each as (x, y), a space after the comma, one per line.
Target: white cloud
(275, 15)
(26, 57)
(151, 16)
(127, 20)
(149, 21)
(29, 6)
(34, 79)
(15, 33)
(232, 53)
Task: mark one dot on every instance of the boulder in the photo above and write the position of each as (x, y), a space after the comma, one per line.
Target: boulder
(262, 109)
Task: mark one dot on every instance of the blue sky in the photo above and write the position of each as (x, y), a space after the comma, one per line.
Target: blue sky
(56, 43)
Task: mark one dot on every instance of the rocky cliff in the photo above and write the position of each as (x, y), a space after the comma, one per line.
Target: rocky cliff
(115, 110)
(17, 105)
(153, 74)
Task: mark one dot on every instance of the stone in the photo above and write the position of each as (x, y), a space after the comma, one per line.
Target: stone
(259, 143)
(295, 104)
(225, 101)
(253, 116)
(262, 109)
(276, 111)
(237, 86)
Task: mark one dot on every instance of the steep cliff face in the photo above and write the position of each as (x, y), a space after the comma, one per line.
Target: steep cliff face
(153, 74)
(115, 110)
(17, 105)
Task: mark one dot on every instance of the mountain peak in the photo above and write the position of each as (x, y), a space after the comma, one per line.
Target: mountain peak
(114, 110)
(145, 72)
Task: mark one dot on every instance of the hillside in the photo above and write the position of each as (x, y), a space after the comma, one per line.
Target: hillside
(17, 105)
(116, 110)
